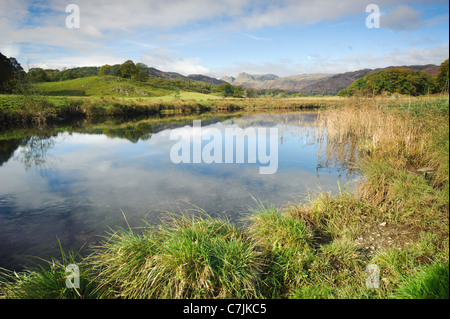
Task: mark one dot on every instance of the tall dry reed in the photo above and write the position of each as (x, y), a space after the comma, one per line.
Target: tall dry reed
(393, 144)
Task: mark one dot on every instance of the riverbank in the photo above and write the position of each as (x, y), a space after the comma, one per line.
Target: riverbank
(396, 218)
(38, 110)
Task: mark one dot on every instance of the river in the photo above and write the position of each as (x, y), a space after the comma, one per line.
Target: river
(72, 183)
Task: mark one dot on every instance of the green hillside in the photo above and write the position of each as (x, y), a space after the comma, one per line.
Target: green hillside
(102, 86)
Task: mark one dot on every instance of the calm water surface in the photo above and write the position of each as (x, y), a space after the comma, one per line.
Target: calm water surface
(75, 183)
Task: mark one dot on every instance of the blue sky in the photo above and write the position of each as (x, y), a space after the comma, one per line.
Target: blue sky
(226, 37)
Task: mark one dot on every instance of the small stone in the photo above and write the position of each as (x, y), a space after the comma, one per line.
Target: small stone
(383, 224)
(425, 170)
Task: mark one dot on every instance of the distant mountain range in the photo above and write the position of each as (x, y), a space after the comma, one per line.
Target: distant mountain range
(317, 83)
(310, 84)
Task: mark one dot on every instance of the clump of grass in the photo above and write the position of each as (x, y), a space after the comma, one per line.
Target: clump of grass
(332, 217)
(188, 257)
(48, 281)
(439, 151)
(336, 272)
(121, 265)
(429, 282)
(277, 230)
(342, 254)
(287, 246)
(397, 266)
(404, 196)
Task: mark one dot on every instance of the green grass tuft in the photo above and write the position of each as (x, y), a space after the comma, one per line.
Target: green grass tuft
(429, 282)
(188, 257)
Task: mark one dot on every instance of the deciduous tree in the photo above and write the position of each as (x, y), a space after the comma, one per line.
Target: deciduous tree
(105, 70)
(442, 77)
(127, 69)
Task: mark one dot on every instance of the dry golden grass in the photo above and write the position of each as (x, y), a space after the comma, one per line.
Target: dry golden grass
(366, 126)
(392, 143)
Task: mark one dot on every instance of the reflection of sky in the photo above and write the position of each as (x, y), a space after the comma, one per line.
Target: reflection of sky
(90, 178)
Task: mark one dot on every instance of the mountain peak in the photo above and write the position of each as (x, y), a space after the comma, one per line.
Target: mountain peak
(256, 77)
(244, 76)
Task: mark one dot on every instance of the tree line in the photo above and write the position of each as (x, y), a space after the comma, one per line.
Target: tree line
(400, 81)
(397, 80)
(36, 75)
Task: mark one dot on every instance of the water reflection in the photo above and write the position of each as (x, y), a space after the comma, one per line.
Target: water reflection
(33, 152)
(74, 182)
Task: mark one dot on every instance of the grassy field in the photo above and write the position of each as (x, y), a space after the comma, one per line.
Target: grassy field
(101, 86)
(396, 218)
(98, 86)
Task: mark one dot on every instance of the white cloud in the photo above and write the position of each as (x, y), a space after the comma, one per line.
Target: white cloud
(318, 64)
(69, 39)
(256, 38)
(91, 59)
(402, 17)
(183, 66)
(107, 23)
(92, 31)
(306, 12)
(413, 56)
(406, 18)
(10, 49)
(166, 60)
(301, 12)
(129, 14)
(189, 66)
(13, 12)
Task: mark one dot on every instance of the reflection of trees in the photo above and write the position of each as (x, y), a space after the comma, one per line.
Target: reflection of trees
(33, 151)
(7, 149)
(32, 144)
(133, 133)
